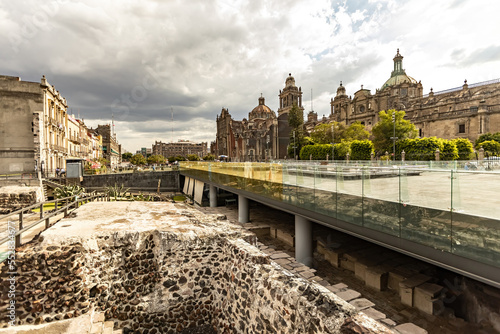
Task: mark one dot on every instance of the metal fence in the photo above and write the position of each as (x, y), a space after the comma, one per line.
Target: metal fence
(13, 224)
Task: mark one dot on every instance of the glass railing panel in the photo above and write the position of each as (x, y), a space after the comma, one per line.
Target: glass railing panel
(305, 186)
(426, 207)
(380, 201)
(476, 215)
(289, 183)
(349, 194)
(325, 187)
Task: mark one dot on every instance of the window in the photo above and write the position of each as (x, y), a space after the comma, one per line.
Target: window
(473, 109)
(362, 109)
(404, 91)
(461, 128)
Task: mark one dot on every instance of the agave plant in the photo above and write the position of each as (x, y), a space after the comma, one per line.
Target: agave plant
(143, 197)
(117, 192)
(66, 191)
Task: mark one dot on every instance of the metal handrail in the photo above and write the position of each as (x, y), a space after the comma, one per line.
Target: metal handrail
(75, 203)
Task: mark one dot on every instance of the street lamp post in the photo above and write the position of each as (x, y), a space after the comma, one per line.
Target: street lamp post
(394, 136)
(333, 143)
(294, 154)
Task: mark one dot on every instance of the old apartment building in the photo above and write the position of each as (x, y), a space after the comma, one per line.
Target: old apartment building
(466, 111)
(36, 132)
(181, 148)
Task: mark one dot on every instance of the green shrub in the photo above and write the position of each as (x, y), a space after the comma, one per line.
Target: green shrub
(318, 152)
(465, 148)
(361, 149)
(422, 149)
(449, 151)
(491, 148)
(341, 150)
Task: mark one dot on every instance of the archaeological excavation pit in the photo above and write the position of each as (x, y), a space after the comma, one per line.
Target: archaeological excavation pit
(164, 268)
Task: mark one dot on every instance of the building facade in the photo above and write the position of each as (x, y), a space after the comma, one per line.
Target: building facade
(182, 148)
(467, 111)
(33, 123)
(36, 132)
(111, 150)
(264, 135)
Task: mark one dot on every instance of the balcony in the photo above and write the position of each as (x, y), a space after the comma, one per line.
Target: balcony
(59, 148)
(75, 139)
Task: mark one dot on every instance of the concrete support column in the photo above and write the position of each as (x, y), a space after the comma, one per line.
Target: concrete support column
(213, 196)
(303, 241)
(243, 210)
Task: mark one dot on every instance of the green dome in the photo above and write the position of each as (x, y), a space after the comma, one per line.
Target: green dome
(398, 76)
(398, 79)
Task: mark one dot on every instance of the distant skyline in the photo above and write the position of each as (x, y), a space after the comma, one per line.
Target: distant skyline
(138, 60)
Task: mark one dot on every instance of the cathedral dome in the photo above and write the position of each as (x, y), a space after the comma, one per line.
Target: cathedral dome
(261, 111)
(398, 76)
(290, 81)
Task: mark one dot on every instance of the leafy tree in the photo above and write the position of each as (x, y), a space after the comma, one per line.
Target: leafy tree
(383, 130)
(296, 122)
(155, 159)
(491, 148)
(465, 149)
(193, 157)
(355, 131)
(296, 117)
(103, 161)
(322, 134)
(126, 156)
(138, 160)
(487, 137)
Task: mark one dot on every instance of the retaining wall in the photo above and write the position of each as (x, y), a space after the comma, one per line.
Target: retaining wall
(145, 181)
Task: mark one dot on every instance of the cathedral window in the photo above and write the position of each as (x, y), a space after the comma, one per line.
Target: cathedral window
(473, 109)
(362, 109)
(461, 128)
(404, 91)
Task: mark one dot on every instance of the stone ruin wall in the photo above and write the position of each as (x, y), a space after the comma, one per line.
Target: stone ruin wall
(13, 198)
(157, 282)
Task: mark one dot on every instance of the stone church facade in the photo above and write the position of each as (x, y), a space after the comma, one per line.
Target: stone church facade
(264, 135)
(467, 111)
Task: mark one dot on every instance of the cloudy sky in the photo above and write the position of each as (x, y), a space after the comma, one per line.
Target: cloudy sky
(141, 60)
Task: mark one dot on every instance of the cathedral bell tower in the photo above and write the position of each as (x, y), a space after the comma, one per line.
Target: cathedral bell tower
(289, 96)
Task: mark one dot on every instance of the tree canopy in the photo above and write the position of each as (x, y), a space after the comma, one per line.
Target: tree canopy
(487, 137)
(156, 159)
(138, 159)
(126, 156)
(322, 133)
(383, 130)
